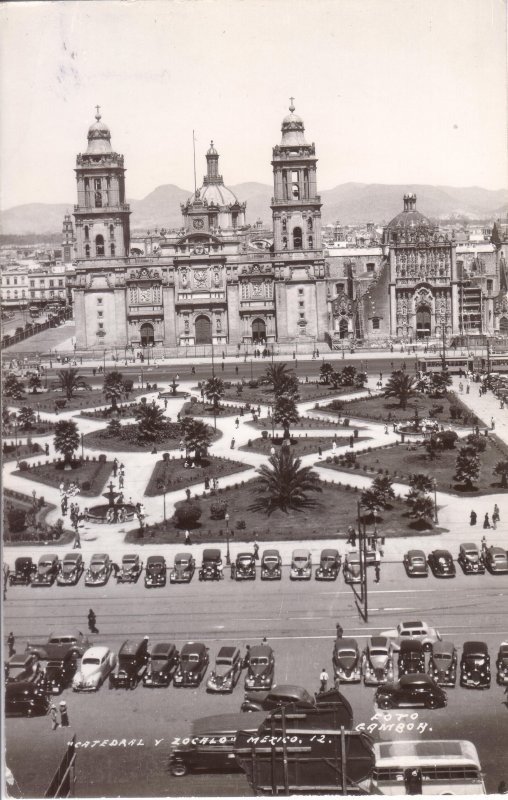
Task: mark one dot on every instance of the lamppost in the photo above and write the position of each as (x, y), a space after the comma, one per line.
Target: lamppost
(251, 369)
(82, 453)
(434, 483)
(375, 513)
(104, 362)
(228, 557)
(163, 488)
(362, 549)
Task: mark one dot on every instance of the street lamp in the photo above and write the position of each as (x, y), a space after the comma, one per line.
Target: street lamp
(82, 453)
(228, 557)
(434, 483)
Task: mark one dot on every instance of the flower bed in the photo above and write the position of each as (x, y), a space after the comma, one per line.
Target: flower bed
(175, 476)
(11, 453)
(89, 475)
(300, 444)
(99, 440)
(45, 401)
(379, 409)
(200, 409)
(39, 532)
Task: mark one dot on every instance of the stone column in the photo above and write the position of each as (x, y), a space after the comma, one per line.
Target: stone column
(169, 311)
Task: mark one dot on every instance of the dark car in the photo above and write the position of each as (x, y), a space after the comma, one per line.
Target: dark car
(193, 664)
(411, 691)
(131, 665)
(347, 662)
(23, 668)
(162, 665)
(278, 696)
(441, 564)
(377, 665)
(155, 571)
(502, 664)
(25, 700)
(260, 667)
(244, 568)
(496, 560)
(130, 570)
(415, 564)
(183, 568)
(352, 567)
(411, 659)
(227, 670)
(48, 568)
(475, 666)
(271, 565)
(329, 565)
(443, 664)
(470, 559)
(72, 569)
(24, 571)
(211, 565)
(59, 673)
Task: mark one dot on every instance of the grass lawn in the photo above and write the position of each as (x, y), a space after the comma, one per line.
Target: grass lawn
(90, 476)
(99, 440)
(40, 535)
(308, 424)
(200, 409)
(336, 510)
(300, 445)
(399, 461)
(176, 476)
(23, 451)
(42, 428)
(45, 401)
(381, 409)
(264, 394)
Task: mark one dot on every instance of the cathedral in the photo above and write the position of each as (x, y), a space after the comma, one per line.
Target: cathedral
(215, 282)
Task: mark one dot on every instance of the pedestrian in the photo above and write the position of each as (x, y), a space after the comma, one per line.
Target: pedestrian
(320, 452)
(351, 535)
(46, 449)
(377, 572)
(323, 680)
(246, 658)
(236, 369)
(492, 423)
(256, 550)
(222, 366)
(115, 568)
(165, 403)
(207, 482)
(54, 719)
(92, 622)
(495, 513)
(472, 518)
(237, 423)
(64, 714)
(386, 428)
(484, 544)
(187, 538)
(486, 522)
(77, 541)
(339, 629)
(10, 644)
(461, 387)
(115, 467)
(120, 481)
(233, 443)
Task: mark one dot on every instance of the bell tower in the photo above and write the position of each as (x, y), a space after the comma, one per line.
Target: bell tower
(101, 215)
(296, 206)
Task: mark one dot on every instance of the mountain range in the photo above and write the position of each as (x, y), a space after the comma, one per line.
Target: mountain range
(350, 203)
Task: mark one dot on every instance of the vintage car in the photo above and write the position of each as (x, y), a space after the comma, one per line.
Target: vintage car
(496, 560)
(162, 665)
(411, 691)
(347, 661)
(155, 571)
(411, 658)
(415, 564)
(130, 570)
(23, 668)
(48, 568)
(211, 565)
(413, 630)
(301, 565)
(131, 664)
(377, 661)
(470, 559)
(441, 564)
(24, 571)
(95, 666)
(352, 569)
(443, 664)
(59, 643)
(72, 569)
(25, 699)
(475, 666)
(193, 664)
(59, 673)
(280, 695)
(244, 568)
(183, 568)
(502, 664)
(260, 668)
(329, 565)
(99, 570)
(271, 565)
(227, 670)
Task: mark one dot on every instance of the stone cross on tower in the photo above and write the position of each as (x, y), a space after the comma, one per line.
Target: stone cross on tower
(98, 116)
(292, 106)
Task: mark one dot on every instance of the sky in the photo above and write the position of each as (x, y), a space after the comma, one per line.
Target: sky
(391, 91)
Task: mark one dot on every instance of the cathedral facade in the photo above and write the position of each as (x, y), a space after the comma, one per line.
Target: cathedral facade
(214, 281)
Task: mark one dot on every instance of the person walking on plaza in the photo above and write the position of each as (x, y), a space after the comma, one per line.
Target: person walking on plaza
(54, 718)
(472, 518)
(120, 481)
(46, 449)
(484, 544)
(256, 550)
(92, 622)
(10, 644)
(64, 714)
(77, 540)
(233, 443)
(323, 680)
(115, 467)
(377, 570)
(339, 629)
(495, 514)
(486, 522)
(237, 423)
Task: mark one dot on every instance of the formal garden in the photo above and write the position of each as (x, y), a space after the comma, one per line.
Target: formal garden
(170, 474)
(300, 444)
(24, 520)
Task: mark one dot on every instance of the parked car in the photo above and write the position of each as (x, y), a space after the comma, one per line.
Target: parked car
(23, 668)
(227, 670)
(183, 568)
(413, 630)
(72, 569)
(470, 559)
(377, 661)
(24, 571)
(441, 564)
(411, 659)
(59, 643)
(415, 564)
(301, 565)
(95, 666)
(48, 568)
(25, 699)
(260, 667)
(475, 666)
(130, 570)
(329, 565)
(244, 568)
(271, 565)
(155, 571)
(211, 565)
(278, 696)
(502, 664)
(352, 568)
(162, 665)
(59, 673)
(99, 570)
(411, 691)
(347, 662)
(131, 664)
(496, 560)
(193, 664)
(443, 664)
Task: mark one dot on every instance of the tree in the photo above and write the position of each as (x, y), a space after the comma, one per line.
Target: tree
(439, 383)
(69, 381)
(197, 436)
(336, 379)
(113, 387)
(371, 500)
(420, 504)
(66, 439)
(361, 379)
(325, 372)
(285, 484)
(214, 391)
(447, 439)
(477, 444)
(26, 418)
(13, 387)
(152, 424)
(34, 383)
(188, 514)
(114, 428)
(277, 374)
(401, 386)
(501, 469)
(420, 482)
(348, 375)
(285, 412)
(467, 468)
(433, 447)
(383, 487)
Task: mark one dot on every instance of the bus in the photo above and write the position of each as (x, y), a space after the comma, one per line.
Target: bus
(453, 364)
(34, 311)
(433, 766)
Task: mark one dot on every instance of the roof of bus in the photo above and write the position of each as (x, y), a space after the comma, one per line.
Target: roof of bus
(401, 753)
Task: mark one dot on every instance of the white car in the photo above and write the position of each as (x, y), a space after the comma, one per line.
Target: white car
(96, 664)
(413, 630)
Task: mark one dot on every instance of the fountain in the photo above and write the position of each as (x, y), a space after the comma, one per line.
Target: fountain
(416, 429)
(112, 511)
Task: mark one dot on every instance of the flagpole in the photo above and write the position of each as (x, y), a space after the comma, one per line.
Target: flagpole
(194, 151)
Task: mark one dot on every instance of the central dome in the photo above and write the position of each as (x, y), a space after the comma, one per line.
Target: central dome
(293, 129)
(218, 193)
(409, 217)
(99, 137)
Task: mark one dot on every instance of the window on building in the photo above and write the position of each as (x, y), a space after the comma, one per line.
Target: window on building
(100, 324)
(32, 294)
(87, 233)
(339, 288)
(98, 199)
(490, 285)
(60, 282)
(112, 249)
(297, 238)
(309, 224)
(100, 313)
(295, 187)
(375, 323)
(52, 283)
(99, 301)
(87, 250)
(302, 315)
(16, 292)
(15, 281)
(32, 283)
(284, 225)
(301, 304)
(111, 231)
(22, 293)
(97, 184)
(41, 282)
(310, 242)
(7, 280)
(300, 291)
(99, 245)
(370, 267)
(284, 242)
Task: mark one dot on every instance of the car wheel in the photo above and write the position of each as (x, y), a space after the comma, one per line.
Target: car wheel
(427, 646)
(178, 769)
(432, 702)
(385, 703)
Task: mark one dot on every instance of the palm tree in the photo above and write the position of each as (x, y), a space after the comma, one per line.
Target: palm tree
(277, 375)
(383, 487)
(152, 424)
(113, 387)
(371, 500)
(69, 381)
(439, 382)
(501, 469)
(214, 391)
(26, 418)
(285, 484)
(197, 436)
(66, 439)
(421, 505)
(34, 382)
(13, 387)
(325, 371)
(467, 468)
(285, 412)
(401, 386)
(421, 482)
(348, 375)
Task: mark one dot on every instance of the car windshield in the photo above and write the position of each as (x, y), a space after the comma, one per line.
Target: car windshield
(258, 661)
(245, 560)
(97, 563)
(226, 662)
(182, 562)
(156, 565)
(62, 640)
(130, 562)
(471, 553)
(193, 657)
(418, 560)
(46, 563)
(499, 557)
(161, 658)
(90, 660)
(346, 652)
(379, 652)
(301, 560)
(271, 560)
(442, 657)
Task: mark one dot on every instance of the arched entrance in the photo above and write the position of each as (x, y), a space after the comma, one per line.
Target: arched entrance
(203, 328)
(343, 328)
(423, 321)
(147, 334)
(258, 330)
(503, 326)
